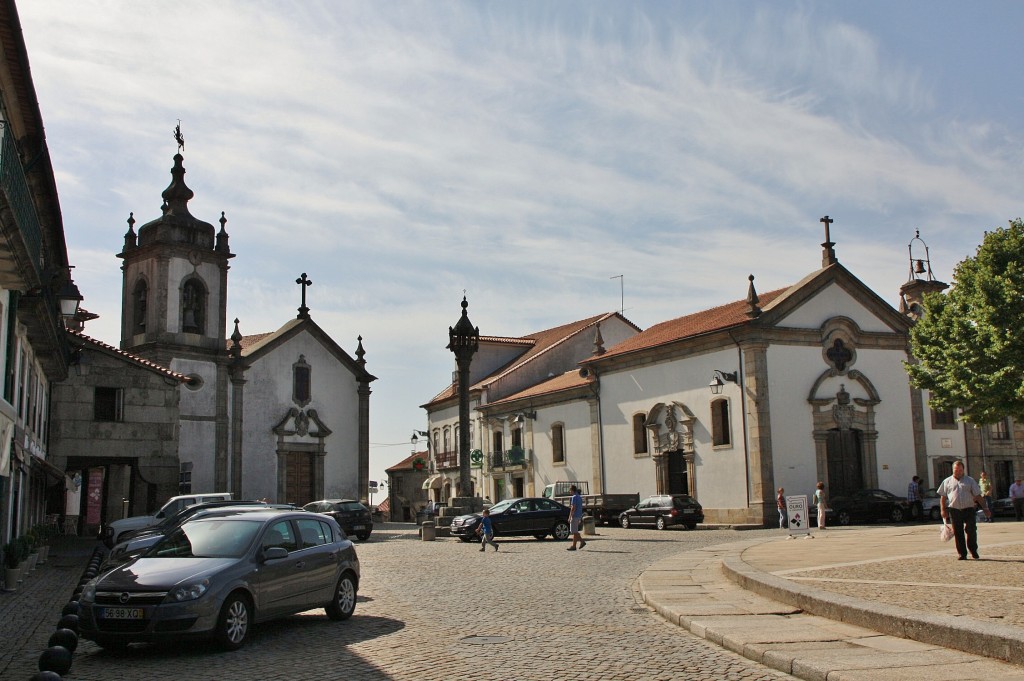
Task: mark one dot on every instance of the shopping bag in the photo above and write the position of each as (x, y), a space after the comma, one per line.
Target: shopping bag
(946, 532)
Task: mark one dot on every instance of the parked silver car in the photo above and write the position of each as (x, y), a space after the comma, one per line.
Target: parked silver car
(216, 576)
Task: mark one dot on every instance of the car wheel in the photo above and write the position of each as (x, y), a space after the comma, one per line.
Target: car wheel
(897, 515)
(344, 603)
(113, 645)
(363, 536)
(691, 526)
(466, 539)
(660, 523)
(843, 518)
(935, 514)
(233, 623)
(624, 521)
(561, 531)
(540, 536)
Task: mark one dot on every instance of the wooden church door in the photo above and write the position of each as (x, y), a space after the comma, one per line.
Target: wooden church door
(300, 478)
(845, 474)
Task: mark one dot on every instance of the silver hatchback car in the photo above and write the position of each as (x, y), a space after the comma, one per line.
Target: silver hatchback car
(216, 576)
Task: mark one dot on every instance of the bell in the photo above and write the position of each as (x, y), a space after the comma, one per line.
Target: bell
(919, 266)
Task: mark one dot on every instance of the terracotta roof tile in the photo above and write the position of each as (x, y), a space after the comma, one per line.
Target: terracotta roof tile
(567, 381)
(135, 359)
(715, 319)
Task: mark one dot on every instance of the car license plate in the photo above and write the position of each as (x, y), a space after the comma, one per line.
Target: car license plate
(123, 613)
(687, 510)
(359, 527)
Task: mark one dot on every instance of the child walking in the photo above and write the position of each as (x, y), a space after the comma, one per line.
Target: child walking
(486, 532)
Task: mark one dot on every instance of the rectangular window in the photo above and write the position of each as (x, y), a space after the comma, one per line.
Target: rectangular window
(720, 427)
(302, 384)
(185, 478)
(108, 404)
(517, 437)
(943, 419)
(558, 443)
(1000, 430)
(639, 434)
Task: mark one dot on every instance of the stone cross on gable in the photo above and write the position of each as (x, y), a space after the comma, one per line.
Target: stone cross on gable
(304, 281)
(828, 256)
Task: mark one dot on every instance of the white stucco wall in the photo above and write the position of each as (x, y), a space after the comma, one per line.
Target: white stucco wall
(829, 302)
(793, 371)
(268, 397)
(198, 432)
(579, 451)
(719, 479)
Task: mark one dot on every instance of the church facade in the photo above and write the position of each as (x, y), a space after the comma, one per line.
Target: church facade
(282, 416)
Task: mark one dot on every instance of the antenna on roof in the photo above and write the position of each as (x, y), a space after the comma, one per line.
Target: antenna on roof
(622, 293)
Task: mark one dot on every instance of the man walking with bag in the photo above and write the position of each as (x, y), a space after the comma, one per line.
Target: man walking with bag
(957, 496)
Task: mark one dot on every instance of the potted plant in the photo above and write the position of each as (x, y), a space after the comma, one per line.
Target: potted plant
(12, 560)
(25, 554)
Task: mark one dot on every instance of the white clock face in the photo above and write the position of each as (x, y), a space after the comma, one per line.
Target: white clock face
(195, 258)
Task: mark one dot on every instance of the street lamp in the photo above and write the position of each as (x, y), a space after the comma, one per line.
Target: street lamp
(463, 341)
(718, 380)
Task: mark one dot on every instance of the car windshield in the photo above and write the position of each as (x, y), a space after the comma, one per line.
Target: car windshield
(349, 506)
(501, 506)
(214, 538)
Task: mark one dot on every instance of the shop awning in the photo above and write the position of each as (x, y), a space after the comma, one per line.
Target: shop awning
(49, 469)
(433, 482)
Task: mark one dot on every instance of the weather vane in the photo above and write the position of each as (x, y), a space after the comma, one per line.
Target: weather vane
(178, 138)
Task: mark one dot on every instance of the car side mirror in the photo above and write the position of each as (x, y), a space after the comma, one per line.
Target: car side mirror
(274, 553)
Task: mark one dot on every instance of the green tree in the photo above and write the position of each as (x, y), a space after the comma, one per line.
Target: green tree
(969, 345)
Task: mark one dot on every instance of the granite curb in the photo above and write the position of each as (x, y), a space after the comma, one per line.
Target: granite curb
(999, 641)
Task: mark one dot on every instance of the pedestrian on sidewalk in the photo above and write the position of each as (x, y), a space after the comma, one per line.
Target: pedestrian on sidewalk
(914, 498)
(986, 491)
(780, 501)
(1017, 497)
(821, 501)
(575, 518)
(957, 496)
(486, 531)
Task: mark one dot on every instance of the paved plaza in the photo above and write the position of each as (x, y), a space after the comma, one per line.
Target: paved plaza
(428, 611)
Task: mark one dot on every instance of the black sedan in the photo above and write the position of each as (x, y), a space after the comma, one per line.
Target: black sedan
(353, 517)
(216, 576)
(664, 510)
(865, 505)
(523, 516)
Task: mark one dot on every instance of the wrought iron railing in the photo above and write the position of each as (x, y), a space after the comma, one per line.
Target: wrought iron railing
(14, 185)
(516, 457)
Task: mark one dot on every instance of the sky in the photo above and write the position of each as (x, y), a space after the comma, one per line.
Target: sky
(549, 160)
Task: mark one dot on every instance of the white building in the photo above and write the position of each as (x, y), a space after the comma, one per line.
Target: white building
(807, 385)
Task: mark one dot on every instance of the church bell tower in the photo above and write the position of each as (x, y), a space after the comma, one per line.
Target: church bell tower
(175, 273)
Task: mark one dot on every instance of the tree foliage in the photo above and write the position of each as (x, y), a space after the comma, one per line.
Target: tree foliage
(969, 346)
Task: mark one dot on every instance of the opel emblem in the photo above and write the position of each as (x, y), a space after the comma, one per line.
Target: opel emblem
(125, 597)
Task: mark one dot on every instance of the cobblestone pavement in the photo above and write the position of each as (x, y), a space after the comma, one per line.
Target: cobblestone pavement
(537, 612)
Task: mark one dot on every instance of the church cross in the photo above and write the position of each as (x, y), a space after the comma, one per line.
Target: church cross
(839, 354)
(827, 221)
(304, 281)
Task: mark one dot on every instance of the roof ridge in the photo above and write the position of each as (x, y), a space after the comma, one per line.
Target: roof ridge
(129, 356)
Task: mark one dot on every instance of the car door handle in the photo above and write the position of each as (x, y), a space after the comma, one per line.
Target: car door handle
(301, 564)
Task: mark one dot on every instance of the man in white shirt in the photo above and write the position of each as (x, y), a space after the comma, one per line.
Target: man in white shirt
(957, 496)
(1017, 496)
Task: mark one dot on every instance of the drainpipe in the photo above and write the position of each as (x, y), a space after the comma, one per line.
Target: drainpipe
(596, 390)
(743, 414)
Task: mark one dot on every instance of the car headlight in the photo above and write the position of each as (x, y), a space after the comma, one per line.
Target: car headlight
(188, 592)
(88, 593)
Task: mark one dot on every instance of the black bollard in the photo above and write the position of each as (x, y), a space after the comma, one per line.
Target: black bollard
(72, 608)
(69, 622)
(55, 659)
(45, 676)
(64, 637)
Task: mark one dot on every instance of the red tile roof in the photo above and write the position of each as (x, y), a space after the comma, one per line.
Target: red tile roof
(134, 359)
(567, 381)
(406, 463)
(725, 316)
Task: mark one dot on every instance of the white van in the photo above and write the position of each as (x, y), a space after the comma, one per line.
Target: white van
(113, 531)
